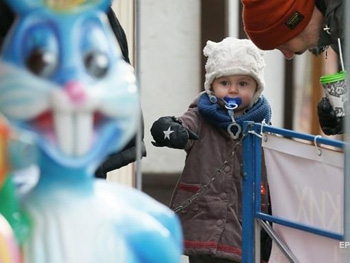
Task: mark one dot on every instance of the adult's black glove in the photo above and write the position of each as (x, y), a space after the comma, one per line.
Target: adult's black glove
(168, 131)
(119, 159)
(329, 122)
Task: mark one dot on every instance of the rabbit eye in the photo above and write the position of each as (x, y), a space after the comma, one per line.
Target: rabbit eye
(42, 63)
(96, 63)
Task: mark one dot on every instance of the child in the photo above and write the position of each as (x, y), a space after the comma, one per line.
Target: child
(208, 196)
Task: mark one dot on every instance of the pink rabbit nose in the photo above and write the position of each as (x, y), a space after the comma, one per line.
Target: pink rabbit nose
(75, 91)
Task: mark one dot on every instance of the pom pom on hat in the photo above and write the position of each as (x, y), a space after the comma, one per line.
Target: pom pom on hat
(234, 56)
(270, 24)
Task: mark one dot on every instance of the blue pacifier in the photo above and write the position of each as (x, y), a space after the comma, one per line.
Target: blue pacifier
(234, 129)
(232, 103)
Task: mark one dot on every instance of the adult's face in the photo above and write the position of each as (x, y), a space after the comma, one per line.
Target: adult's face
(307, 39)
(295, 46)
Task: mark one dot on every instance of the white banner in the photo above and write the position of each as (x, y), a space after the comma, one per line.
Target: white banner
(306, 187)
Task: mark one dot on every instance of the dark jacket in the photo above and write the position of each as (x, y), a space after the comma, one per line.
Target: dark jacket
(119, 33)
(333, 11)
(212, 223)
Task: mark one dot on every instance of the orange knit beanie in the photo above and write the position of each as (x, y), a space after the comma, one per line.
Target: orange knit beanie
(271, 23)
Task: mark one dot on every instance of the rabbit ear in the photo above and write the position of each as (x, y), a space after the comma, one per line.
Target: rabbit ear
(23, 6)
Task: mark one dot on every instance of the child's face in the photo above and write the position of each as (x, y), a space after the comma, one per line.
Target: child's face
(235, 86)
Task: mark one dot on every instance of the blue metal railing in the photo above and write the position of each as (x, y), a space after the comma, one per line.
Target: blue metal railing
(252, 215)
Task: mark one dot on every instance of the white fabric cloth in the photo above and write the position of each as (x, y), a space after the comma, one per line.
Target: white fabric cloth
(306, 188)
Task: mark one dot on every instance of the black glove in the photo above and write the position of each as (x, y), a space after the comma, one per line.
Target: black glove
(168, 131)
(119, 159)
(329, 122)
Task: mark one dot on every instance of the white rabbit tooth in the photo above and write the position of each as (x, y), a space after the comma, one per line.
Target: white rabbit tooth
(84, 132)
(74, 132)
(64, 128)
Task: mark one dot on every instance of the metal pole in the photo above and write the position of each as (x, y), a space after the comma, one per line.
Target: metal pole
(347, 135)
(138, 172)
(279, 242)
(248, 237)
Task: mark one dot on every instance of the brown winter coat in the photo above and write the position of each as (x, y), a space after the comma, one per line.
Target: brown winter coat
(212, 222)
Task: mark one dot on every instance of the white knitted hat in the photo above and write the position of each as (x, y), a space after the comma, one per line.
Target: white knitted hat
(234, 56)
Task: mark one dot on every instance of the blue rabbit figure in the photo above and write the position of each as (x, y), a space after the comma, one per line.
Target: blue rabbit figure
(62, 78)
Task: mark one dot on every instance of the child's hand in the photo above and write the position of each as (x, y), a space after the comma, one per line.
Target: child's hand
(168, 131)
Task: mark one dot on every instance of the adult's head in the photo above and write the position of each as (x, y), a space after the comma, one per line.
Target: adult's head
(292, 26)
